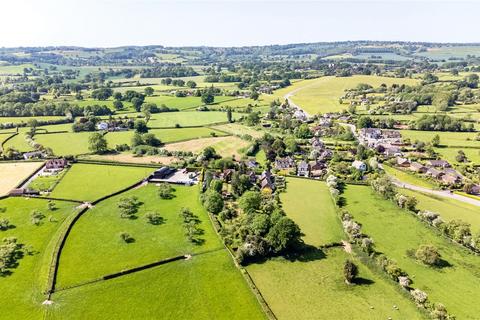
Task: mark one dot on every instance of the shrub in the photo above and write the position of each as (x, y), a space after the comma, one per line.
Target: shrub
(36, 217)
(154, 218)
(350, 271)
(165, 191)
(428, 254)
(419, 296)
(127, 238)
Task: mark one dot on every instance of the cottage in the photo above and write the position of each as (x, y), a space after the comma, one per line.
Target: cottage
(284, 163)
(438, 164)
(266, 180)
(434, 173)
(359, 165)
(418, 167)
(316, 143)
(33, 155)
(56, 164)
(303, 169)
(317, 169)
(392, 151)
(252, 164)
(450, 178)
(325, 155)
(403, 162)
(102, 125)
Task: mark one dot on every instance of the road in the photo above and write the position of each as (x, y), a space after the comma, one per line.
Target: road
(441, 193)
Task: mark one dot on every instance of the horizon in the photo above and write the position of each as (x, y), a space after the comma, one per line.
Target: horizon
(223, 23)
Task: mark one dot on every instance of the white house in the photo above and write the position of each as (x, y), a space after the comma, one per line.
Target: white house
(359, 165)
(102, 125)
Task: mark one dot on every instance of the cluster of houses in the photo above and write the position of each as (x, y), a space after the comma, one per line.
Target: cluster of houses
(385, 141)
(111, 126)
(313, 169)
(439, 170)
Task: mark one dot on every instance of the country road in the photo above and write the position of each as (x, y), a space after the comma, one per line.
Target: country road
(441, 193)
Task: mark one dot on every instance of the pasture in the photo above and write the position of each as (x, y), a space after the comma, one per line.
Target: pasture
(450, 139)
(183, 102)
(70, 143)
(225, 146)
(19, 142)
(240, 130)
(396, 231)
(185, 119)
(322, 94)
(13, 173)
(88, 182)
(25, 285)
(408, 177)
(312, 286)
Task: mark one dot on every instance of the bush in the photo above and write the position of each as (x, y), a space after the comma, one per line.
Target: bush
(165, 191)
(428, 254)
(350, 271)
(154, 218)
(127, 238)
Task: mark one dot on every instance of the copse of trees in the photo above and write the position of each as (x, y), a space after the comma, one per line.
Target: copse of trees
(440, 122)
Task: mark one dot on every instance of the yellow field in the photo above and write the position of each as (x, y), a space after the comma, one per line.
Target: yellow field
(225, 146)
(322, 94)
(12, 174)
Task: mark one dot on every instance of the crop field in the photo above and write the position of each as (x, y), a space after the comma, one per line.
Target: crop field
(12, 173)
(449, 209)
(185, 119)
(322, 94)
(299, 288)
(88, 182)
(165, 135)
(224, 146)
(395, 231)
(132, 158)
(26, 283)
(65, 143)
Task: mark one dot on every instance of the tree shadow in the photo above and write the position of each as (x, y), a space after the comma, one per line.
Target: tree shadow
(305, 253)
(362, 281)
(157, 221)
(130, 240)
(442, 264)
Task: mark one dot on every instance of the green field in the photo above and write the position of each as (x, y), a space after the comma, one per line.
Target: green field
(449, 209)
(184, 119)
(322, 94)
(312, 286)
(14, 69)
(71, 143)
(26, 119)
(451, 139)
(408, 177)
(88, 182)
(183, 103)
(396, 231)
(19, 142)
(27, 282)
(317, 218)
(449, 154)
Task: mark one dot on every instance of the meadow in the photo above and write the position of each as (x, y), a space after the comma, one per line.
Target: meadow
(185, 119)
(88, 182)
(408, 177)
(322, 94)
(183, 102)
(70, 143)
(311, 286)
(13, 173)
(25, 286)
(450, 139)
(224, 146)
(239, 129)
(396, 231)
(18, 142)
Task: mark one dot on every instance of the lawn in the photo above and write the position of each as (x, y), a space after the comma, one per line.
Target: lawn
(206, 287)
(185, 119)
(322, 95)
(25, 286)
(70, 143)
(396, 231)
(224, 146)
(448, 209)
(318, 218)
(13, 173)
(312, 286)
(165, 135)
(88, 182)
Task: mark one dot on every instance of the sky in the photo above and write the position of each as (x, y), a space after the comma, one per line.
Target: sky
(110, 23)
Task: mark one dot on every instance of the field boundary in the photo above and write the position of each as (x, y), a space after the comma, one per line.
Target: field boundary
(8, 139)
(113, 163)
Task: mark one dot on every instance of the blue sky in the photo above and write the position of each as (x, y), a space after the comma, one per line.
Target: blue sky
(106, 23)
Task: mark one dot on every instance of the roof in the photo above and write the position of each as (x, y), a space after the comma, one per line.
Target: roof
(438, 163)
(358, 164)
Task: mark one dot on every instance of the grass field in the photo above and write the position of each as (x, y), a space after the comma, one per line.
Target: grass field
(14, 69)
(184, 119)
(18, 142)
(71, 143)
(13, 173)
(88, 182)
(322, 94)
(408, 177)
(183, 103)
(456, 139)
(317, 219)
(449, 209)
(239, 129)
(224, 146)
(96, 236)
(396, 231)
(449, 154)
(25, 286)
(206, 287)
(26, 119)
(312, 286)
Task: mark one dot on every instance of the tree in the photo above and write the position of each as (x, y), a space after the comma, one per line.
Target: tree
(436, 140)
(128, 207)
(151, 140)
(137, 103)
(97, 143)
(428, 254)
(350, 271)
(191, 84)
(213, 202)
(102, 93)
(165, 191)
(126, 237)
(149, 91)
(51, 205)
(284, 234)
(229, 115)
(208, 97)
(137, 140)
(303, 131)
(36, 217)
(250, 201)
(240, 183)
(209, 153)
(216, 185)
(154, 218)
(4, 224)
(461, 157)
(118, 105)
(252, 119)
(384, 186)
(140, 126)
(364, 122)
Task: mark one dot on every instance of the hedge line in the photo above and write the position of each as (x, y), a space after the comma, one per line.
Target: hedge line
(30, 176)
(116, 163)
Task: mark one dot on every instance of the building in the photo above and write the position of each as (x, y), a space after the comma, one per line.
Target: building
(392, 151)
(434, 173)
(102, 125)
(33, 155)
(56, 164)
(418, 167)
(303, 169)
(316, 143)
(403, 162)
(162, 173)
(359, 165)
(317, 169)
(438, 164)
(450, 178)
(266, 180)
(284, 163)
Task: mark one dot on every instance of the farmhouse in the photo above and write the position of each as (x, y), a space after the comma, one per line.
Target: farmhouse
(359, 165)
(56, 164)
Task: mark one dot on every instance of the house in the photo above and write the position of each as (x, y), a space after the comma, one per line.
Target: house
(403, 162)
(316, 143)
(33, 154)
(228, 174)
(284, 163)
(252, 164)
(300, 115)
(56, 164)
(434, 173)
(102, 125)
(303, 169)
(359, 165)
(438, 164)
(317, 169)
(252, 176)
(392, 151)
(450, 178)
(418, 167)
(371, 133)
(162, 173)
(475, 189)
(325, 155)
(266, 180)
(22, 191)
